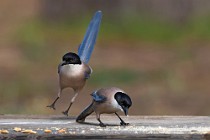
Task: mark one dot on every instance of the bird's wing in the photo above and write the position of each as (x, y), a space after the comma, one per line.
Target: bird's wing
(88, 72)
(86, 47)
(98, 97)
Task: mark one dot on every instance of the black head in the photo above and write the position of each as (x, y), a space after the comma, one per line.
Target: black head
(124, 101)
(71, 58)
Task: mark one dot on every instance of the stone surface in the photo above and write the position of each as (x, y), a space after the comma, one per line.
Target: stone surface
(141, 127)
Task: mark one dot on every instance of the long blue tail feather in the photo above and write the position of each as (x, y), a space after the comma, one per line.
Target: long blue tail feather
(86, 47)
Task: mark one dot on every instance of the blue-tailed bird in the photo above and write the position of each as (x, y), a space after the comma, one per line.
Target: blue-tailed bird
(74, 69)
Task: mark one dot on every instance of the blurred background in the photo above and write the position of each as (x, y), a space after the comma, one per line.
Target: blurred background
(157, 51)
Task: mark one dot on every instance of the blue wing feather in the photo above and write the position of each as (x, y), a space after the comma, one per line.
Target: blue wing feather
(98, 98)
(86, 47)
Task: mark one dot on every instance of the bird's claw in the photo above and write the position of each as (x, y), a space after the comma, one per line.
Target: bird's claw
(51, 106)
(102, 125)
(124, 124)
(65, 113)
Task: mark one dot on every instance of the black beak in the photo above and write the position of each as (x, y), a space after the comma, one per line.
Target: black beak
(125, 109)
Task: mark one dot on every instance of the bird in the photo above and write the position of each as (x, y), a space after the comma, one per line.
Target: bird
(74, 70)
(107, 100)
(72, 73)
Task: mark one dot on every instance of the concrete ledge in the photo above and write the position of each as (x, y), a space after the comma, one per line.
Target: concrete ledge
(141, 127)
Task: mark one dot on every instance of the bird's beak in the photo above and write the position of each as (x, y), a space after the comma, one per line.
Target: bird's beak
(125, 109)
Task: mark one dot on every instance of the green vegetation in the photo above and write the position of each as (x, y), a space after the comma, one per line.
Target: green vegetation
(104, 77)
(114, 77)
(38, 32)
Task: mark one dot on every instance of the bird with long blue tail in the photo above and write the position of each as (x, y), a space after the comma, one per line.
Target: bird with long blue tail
(74, 69)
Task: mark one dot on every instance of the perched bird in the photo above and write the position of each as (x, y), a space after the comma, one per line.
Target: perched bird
(72, 73)
(107, 100)
(74, 70)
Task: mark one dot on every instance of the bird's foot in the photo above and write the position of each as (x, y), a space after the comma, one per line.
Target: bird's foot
(102, 125)
(65, 113)
(124, 124)
(52, 106)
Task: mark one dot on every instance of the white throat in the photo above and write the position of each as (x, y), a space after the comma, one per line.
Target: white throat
(72, 69)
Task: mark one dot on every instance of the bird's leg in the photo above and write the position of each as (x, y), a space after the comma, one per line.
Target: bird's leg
(53, 104)
(122, 122)
(72, 101)
(67, 110)
(100, 122)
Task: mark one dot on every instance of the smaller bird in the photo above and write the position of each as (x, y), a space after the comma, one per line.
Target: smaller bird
(107, 100)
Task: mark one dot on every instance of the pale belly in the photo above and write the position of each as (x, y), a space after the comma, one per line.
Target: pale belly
(72, 76)
(106, 108)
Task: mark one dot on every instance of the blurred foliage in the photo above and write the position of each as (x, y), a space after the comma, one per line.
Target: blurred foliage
(37, 32)
(111, 77)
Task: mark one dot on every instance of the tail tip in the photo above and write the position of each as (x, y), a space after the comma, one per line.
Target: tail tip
(80, 120)
(99, 11)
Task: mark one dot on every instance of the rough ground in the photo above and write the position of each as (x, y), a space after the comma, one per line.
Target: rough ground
(141, 127)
